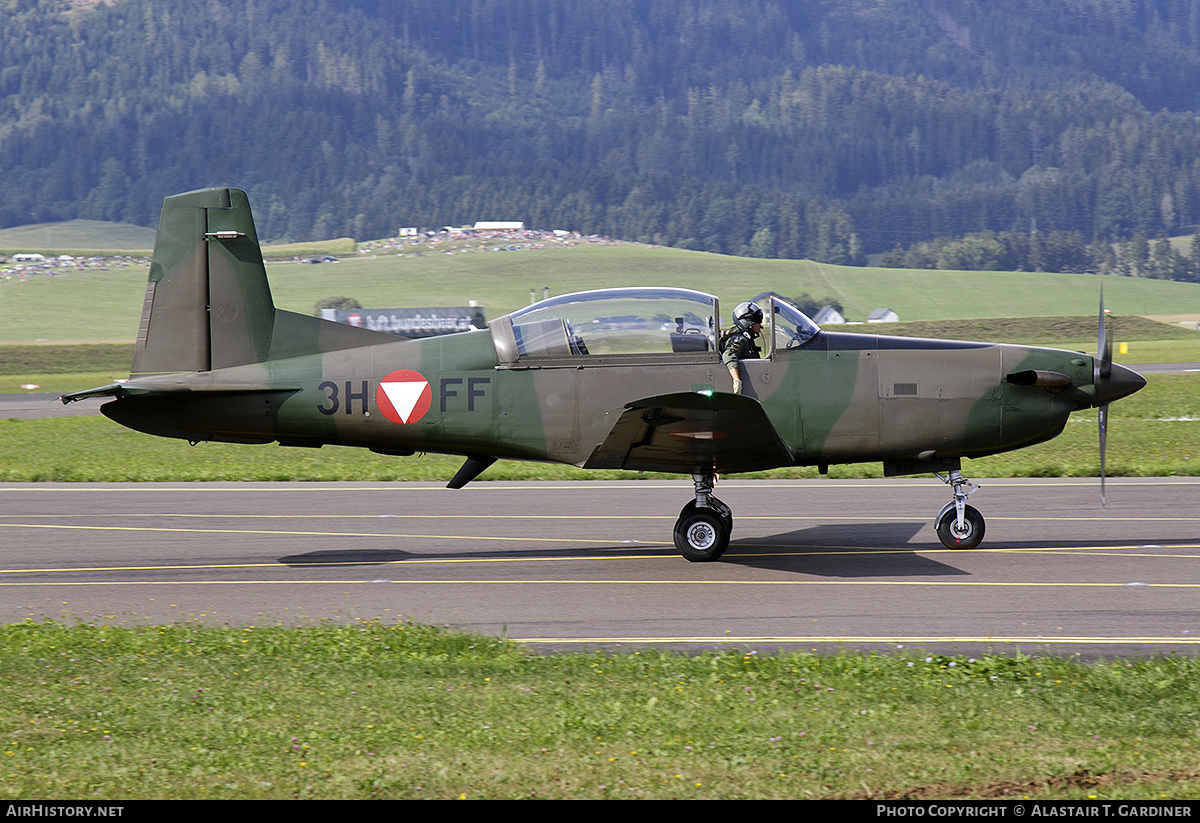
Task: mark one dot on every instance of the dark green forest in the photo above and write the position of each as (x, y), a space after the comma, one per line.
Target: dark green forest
(774, 128)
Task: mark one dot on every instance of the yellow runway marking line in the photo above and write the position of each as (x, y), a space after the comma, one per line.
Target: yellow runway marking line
(868, 518)
(608, 582)
(311, 488)
(96, 583)
(896, 640)
(388, 535)
(335, 563)
(582, 485)
(831, 551)
(864, 551)
(1111, 551)
(335, 516)
(1104, 519)
(859, 551)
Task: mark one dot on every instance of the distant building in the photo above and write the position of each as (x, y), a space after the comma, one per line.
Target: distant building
(828, 315)
(498, 225)
(883, 316)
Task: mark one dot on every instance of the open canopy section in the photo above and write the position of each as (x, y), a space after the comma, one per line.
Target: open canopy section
(791, 327)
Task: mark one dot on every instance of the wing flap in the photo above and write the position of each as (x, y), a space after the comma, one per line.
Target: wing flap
(692, 433)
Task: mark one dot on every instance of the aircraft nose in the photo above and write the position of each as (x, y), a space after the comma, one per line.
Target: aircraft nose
(1120, 382)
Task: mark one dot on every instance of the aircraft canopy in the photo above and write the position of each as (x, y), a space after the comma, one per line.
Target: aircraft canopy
(617, 321)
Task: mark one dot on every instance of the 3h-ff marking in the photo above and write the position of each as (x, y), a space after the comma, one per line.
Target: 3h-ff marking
(476, 389)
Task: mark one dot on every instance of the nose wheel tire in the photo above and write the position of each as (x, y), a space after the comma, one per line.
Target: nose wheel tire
(967, 537)
(701, 535)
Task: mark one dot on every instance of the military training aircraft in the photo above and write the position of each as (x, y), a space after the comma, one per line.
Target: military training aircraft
(625, 378)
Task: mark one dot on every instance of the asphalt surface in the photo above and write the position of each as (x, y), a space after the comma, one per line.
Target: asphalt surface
(818, 564)
(1164, 368)
(45, 404)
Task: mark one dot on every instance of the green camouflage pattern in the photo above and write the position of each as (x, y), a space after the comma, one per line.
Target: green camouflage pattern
(216, 361)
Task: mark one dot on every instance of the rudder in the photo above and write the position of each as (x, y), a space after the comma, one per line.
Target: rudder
(207, 304)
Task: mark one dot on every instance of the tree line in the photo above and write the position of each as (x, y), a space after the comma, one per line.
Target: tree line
(809, 128)
(1055, 251)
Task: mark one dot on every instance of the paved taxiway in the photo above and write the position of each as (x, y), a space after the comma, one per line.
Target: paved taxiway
(813, 564)
(44, 404)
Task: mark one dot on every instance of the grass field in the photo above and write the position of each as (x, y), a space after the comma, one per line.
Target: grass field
(339, 247)
(97, 237)
(401, 710)
(105, 306)
(76, 236)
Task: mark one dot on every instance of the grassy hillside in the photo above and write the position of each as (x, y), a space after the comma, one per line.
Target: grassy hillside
(104, 306)
(87, 237)
(76, 235)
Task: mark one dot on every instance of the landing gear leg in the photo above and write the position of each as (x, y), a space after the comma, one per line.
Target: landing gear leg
(959, 526)
(703, 528)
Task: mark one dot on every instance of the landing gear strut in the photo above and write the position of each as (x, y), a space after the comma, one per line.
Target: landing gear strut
(703, 528)
(959, 526)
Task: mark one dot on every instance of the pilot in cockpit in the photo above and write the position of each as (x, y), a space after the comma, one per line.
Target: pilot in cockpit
(738, 343)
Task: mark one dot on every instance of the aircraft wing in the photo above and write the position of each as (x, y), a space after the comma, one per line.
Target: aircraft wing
(692, 433)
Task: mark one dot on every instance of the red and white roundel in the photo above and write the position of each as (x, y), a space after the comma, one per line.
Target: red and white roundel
(403, 396)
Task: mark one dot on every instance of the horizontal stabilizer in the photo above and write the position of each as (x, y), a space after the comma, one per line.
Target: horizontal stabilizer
(692, 433)
(111, 390)
(167, 389)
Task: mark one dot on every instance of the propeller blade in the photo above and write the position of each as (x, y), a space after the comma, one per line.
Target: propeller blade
(1102, 373)
(1102, 367)
(1103, 448)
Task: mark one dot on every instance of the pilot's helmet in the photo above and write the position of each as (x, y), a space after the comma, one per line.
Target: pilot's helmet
(746, 315)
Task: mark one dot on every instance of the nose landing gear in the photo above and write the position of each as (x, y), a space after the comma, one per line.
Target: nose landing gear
(959, 526)
(705, 524)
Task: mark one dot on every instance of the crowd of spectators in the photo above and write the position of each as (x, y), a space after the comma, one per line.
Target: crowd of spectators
(22, 267)
(467, 241)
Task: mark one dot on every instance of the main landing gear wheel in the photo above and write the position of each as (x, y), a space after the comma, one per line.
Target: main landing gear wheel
(968, 537)
(702, 535)
(715, 506)
(703, 528)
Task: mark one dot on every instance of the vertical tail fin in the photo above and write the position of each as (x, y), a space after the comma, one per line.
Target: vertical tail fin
(208, 305)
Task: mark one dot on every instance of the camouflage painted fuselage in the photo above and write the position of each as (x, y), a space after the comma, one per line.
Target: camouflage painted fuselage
(842, 398)
(215, 360)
